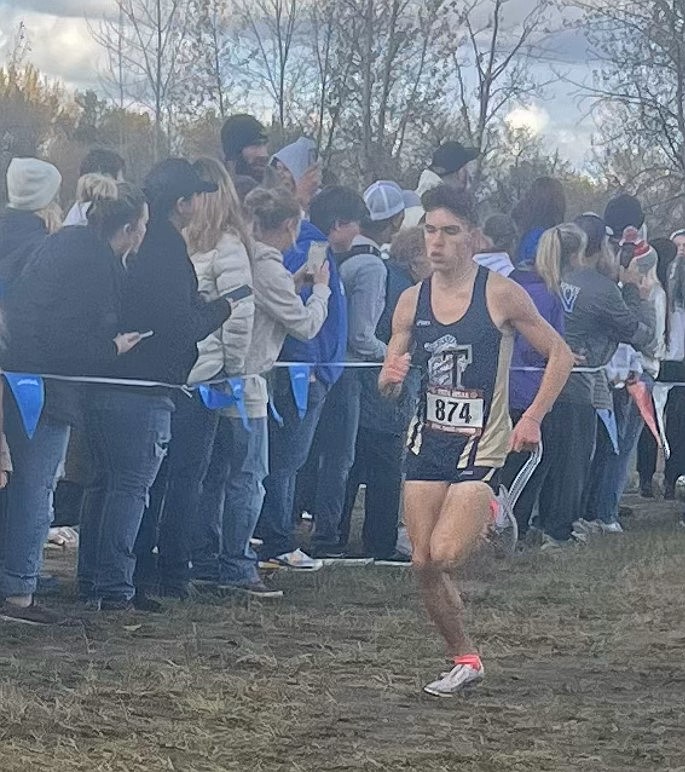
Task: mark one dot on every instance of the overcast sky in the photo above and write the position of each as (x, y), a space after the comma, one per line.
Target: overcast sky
(61, 47)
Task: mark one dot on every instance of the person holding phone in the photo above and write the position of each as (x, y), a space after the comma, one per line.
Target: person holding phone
(630, 364)
(219, 243)
(598, 315)
(298, 169)
(129, 426)
(63, 318)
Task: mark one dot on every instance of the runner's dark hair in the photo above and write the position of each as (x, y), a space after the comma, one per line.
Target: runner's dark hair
(460, 203)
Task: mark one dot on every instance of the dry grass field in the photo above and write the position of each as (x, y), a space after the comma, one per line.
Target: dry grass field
(583, 652)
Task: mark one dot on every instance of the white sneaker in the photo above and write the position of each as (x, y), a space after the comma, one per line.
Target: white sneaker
(466, 672)
(297, 561)
(611, 527)
(62, 537)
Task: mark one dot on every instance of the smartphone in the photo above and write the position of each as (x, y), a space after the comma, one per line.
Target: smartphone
(240, 293)
(147, 334)
(626, 253)
(316, 257)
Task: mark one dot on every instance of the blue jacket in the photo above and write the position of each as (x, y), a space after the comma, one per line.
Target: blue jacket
(523, 386)
(528, 247)
(331, 343)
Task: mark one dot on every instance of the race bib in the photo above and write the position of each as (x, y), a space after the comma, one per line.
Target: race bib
(459, 411)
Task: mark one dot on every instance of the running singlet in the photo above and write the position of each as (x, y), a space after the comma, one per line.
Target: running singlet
(461, 428)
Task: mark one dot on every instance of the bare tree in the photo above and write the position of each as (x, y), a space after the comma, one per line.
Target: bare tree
(383, 84)
(637, 90)
(217, 63)
(147, 45)
(268, 33)
(481, 41)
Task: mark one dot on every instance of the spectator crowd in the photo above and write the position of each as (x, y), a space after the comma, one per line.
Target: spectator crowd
(209, 347)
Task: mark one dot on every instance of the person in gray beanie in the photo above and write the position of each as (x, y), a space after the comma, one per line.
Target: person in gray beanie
(30, 216)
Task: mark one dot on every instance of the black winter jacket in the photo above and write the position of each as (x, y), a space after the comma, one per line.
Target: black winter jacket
(21, 233)
(162, 296)
(63, 314)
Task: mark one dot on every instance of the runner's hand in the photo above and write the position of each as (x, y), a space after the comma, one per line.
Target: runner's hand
(395, 370)
(526, 435)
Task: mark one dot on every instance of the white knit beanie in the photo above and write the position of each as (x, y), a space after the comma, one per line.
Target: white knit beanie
(31, 184)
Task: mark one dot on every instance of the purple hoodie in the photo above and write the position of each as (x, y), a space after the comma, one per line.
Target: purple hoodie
(524, 386)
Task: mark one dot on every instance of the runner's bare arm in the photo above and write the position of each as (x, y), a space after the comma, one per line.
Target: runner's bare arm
(515, 307)
(398, 359)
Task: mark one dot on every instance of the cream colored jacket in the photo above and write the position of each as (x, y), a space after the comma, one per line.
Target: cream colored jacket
(222, 269)
(279, 311)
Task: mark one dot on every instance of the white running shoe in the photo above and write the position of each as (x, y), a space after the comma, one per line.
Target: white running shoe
(467, 670)
(611, 527)
(296, 561)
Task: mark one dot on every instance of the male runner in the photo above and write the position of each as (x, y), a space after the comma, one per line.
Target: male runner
(460, 325)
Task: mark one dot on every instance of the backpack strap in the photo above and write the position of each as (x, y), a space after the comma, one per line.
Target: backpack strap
(359, 249)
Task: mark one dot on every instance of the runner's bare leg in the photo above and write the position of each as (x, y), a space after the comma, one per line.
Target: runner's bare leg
(460, 525)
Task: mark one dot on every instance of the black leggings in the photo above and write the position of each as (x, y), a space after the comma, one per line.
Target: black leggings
(570, 446)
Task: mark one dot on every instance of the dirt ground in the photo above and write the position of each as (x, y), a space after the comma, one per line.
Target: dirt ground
(583, 652)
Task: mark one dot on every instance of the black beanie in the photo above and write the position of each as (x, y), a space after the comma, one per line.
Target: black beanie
(621, 212)
(241, 131)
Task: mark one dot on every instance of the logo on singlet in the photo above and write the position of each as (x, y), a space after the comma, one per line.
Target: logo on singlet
(448, 361)
(423, 323)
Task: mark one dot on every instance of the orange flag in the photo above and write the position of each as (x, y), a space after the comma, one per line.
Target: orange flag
(643, 399)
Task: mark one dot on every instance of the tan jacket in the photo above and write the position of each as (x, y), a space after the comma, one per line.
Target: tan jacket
(224, 268)
(279, 311)
(5, 458)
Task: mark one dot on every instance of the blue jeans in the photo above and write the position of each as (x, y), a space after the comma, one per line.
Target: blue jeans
(289, 446)
(29, 498)
(610, 471)
(128, 433)
(336, 441)
(232, 496)
(175, 497)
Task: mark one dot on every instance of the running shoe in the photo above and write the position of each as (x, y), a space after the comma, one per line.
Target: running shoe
(467, 671)
(504, 532)
(295, 561)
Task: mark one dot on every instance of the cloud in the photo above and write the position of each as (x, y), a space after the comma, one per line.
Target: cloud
(63, 8)
(60, 46)
(532, 117)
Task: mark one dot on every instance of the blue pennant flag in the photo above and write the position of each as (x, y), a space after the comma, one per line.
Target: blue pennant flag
(278, 418)
(217, 397)
(608, 418)
(29, 394)
(299, 383)
(238, 388)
